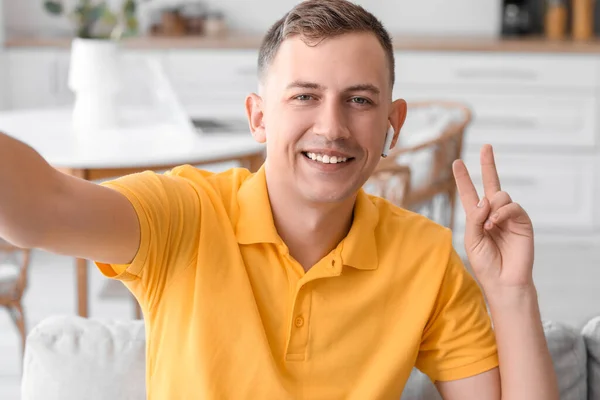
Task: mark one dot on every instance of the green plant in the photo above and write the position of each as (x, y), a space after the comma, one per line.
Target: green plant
(96, 19)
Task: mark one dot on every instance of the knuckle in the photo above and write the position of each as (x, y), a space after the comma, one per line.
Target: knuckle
(504, 195)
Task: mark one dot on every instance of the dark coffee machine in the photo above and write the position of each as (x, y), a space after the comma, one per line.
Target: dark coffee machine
(520, 17)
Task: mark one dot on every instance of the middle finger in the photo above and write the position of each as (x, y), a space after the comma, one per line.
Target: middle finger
(489, 174)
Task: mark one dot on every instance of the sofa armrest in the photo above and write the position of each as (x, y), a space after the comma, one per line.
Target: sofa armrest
(591, 335)
(75, 358)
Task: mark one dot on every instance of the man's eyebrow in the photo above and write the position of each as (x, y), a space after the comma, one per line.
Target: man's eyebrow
(362, 87)
(365, 87)
(305, 85)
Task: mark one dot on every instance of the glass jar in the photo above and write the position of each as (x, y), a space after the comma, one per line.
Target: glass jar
(555, 24)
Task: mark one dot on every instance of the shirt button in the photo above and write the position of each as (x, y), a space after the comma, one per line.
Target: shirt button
(299, 322)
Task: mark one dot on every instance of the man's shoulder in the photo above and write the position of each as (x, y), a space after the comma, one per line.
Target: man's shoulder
(228, 177)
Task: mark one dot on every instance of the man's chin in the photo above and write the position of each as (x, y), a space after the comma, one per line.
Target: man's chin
(326, 194)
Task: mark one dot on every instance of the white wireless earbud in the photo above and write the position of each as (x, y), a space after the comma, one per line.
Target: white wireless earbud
(389, 136)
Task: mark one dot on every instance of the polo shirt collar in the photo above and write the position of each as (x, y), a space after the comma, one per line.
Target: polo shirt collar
(255, 223)
(359, 248)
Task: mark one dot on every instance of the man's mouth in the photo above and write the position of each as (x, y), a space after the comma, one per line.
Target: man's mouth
(326, 159)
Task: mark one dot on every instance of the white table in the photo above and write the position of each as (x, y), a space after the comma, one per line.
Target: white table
(117, 152)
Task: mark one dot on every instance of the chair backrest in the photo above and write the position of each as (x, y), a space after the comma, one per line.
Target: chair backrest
(20, 258)
(417, 175)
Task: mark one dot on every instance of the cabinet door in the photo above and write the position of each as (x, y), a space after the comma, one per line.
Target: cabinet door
(530, 120)
(557, 191)
(500, 71)
(33, 77)
(40, 77)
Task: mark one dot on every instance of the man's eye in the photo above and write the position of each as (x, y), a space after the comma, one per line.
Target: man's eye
(360, 100)
(304, 97)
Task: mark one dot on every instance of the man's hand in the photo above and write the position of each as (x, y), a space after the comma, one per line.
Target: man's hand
(498, 232)
(499, 244)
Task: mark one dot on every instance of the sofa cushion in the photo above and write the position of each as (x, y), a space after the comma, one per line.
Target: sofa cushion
(75, 358)
(591, 335)
(567, 349)
(419, 387)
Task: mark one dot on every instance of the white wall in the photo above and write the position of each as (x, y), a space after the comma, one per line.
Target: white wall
(3, 73)
(1, 24)
(448, 17)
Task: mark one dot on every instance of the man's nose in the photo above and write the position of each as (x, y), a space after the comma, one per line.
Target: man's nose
(331, 122)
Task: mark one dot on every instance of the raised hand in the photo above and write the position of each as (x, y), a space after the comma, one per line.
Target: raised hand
(498, 232)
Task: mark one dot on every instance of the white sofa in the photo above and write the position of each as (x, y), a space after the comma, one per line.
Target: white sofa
(74, 358)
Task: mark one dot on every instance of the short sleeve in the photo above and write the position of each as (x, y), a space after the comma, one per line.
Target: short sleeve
(458, 341)
(168, 211)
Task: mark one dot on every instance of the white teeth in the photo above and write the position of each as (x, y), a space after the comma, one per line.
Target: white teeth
(325, 159)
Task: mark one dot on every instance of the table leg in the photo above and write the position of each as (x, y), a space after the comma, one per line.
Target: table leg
(82, 287)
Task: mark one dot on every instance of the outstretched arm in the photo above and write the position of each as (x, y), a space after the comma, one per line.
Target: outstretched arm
(43, 208)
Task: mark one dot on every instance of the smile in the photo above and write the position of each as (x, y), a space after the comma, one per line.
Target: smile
(326, 159)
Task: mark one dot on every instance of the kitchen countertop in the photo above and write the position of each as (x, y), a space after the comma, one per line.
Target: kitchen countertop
(401, 42)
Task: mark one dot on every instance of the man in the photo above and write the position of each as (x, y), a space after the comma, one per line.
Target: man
(292, 283)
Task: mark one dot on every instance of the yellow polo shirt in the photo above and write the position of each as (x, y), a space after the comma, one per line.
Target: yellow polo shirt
(231, 315)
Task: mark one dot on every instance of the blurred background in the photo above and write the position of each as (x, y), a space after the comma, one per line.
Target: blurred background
(521, 75)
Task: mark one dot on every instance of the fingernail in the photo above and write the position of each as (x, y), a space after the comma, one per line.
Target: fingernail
(480, 204)
(495, 216)
(488, 224)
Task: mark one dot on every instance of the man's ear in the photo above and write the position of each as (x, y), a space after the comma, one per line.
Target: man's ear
(397, 117)
(255, 114)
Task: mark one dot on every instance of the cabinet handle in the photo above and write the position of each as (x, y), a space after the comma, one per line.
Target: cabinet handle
(509, 181)
(503, 74)
(509, 122)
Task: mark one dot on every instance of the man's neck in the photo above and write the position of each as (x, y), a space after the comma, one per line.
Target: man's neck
(310, 231)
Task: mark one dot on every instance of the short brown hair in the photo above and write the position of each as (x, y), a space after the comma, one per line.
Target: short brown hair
(316, 20)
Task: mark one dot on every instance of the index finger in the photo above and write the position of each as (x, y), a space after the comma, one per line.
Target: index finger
(489, 174)
(466, 189)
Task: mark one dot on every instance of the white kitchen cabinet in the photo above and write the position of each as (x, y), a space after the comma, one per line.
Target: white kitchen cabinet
(212, 82)
(540, 112)
(502, 71)
(557, 191)
(37, 77)
(523, 120)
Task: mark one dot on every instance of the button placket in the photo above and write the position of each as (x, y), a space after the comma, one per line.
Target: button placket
(298, 330)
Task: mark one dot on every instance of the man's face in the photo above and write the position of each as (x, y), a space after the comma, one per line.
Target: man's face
(325, 115)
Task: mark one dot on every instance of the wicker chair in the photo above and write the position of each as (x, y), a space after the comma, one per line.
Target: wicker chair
(14, 263)
(417, 175)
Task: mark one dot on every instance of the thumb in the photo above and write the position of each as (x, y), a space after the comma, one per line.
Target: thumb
(476, 217)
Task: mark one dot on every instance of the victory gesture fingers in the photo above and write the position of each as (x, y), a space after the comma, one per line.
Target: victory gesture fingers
(498, 232)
